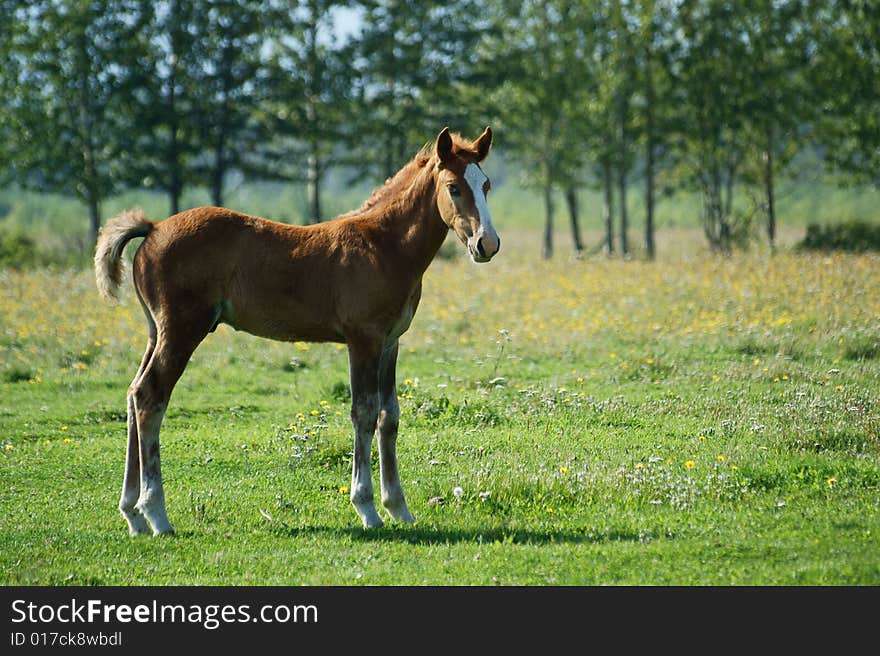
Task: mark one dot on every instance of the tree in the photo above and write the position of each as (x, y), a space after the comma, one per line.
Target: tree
(306, 98)
(712, 82)
(777, 103)
(228, 41)
(413, 60)
(621, 75)
(71, 61)
(165, 108)
(846, 72)
(9, 79)
(607, 111)
(652, 111)
(540, 48)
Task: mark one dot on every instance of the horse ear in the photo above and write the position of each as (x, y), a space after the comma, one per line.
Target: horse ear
(443, 147)
(483, 144)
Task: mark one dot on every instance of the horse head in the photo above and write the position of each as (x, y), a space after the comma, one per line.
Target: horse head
(461, 192)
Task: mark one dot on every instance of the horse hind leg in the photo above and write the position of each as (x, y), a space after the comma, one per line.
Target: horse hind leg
(131, 482)
(150, 395)
(150, 402)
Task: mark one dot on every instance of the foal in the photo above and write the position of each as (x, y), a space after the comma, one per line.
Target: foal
(355, 280)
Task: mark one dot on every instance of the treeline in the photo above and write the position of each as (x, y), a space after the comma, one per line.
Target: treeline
(97, 96)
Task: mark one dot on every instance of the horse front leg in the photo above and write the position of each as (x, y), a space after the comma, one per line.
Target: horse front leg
(364, 372)
(389, 417)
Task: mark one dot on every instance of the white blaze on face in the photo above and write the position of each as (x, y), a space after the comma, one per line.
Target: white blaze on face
(475, 177)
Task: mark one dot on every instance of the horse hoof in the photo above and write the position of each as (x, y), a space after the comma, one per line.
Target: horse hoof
(401, 514)
(137, 524)
(375, 522)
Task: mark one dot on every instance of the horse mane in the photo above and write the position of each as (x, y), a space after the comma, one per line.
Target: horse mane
(393, 187)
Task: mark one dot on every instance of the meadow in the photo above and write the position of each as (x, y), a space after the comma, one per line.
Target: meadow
(696, 421)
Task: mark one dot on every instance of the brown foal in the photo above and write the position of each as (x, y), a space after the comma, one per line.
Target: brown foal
(356, 280)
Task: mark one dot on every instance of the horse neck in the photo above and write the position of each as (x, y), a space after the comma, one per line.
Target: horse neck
(413, 220)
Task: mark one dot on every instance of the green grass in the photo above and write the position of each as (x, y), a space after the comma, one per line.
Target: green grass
(689, 422)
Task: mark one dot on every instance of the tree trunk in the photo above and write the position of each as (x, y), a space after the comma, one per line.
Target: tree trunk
(313, 184)
(86, 125)
(717, 208)
(174, 166)
(174, 185)
(608, 208)
(649, 164)
(712, 208)
(219, 172)
(548, 221)
(313, 123)
(94, 218)
(768, 183)
(650, 249)
(624, 217)
(173, 153)
(572, 202)
(728, 196)
(389, 156)
(622, 120)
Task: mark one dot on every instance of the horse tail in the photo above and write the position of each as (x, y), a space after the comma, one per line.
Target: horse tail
(117, 232)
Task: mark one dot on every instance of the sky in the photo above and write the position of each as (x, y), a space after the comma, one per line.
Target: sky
(348, 21)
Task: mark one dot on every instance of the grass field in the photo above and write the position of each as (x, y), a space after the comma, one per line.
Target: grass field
(692, 421)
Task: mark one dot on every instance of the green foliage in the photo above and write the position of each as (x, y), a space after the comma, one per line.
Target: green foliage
(846, 73)
(73, 62)
(863, 346)
(17, 374)
(193, 99)
(17, 250)
(852, 236)
(413, 62)
(340, 391)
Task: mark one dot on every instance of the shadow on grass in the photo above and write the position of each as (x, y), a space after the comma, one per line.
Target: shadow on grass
(419, 535)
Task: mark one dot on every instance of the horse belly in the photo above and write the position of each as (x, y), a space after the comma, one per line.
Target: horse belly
(403, 322)
(287, 322)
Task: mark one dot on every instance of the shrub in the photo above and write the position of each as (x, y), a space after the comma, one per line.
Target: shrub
(854, 236)
(16, 374)
(17, 250)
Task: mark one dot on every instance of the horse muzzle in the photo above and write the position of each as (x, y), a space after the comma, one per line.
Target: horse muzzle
(484, 246)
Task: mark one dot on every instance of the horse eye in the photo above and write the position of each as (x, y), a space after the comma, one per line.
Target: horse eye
(453, 190)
